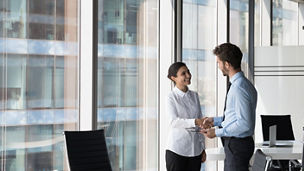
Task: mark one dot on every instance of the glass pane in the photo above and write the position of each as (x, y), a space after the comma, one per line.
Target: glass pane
(199, 39)
(14, 17)
(239, 25)
(284, 22)
(15, 81)
(127, 86)
(38, 82)
(2, 82)
(41, 19)
(1, 110)
(2, 22)
(60, 20)
(58, 80)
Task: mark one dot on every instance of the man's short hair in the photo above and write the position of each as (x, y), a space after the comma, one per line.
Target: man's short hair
(230, 53)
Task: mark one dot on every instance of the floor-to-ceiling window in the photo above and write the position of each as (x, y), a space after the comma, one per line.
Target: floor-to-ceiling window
(38, 82)
(199, 39)
(127, 81)
(239, 27)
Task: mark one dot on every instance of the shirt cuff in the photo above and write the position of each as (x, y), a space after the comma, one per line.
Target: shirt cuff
(219, 132)
(191, 122)
(217, 121)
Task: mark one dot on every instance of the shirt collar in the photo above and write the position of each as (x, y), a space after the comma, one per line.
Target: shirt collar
(180, 92)
(236, 76)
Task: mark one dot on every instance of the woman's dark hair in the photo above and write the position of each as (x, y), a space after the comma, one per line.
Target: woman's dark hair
(230, 53)
(173, 69)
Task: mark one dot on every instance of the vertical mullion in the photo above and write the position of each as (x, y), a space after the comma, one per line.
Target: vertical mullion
(251, 41)
(228, 22)
(95, 64)
(178, 27)
(271, 23)
(158, 89)
(86, 98)
(166, 52)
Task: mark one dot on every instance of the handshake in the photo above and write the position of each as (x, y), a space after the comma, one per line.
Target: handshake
(206, 124)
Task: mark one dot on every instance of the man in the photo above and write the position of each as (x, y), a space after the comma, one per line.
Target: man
(236, 127)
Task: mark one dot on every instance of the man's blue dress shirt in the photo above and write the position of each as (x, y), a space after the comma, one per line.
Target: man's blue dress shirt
(240, 109)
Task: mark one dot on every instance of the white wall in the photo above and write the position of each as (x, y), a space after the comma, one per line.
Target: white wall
(279, 80)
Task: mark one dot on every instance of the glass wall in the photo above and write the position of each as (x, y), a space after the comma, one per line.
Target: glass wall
(127, 82)
(239, 27)
(284, 23)
(199, 39)
(38, 82)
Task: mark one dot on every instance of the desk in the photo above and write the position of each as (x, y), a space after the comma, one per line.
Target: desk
(276, 153)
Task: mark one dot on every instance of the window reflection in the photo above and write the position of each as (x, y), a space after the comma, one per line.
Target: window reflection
(284, 22)
(38, 82)
(13, 14)
(13, 94)
(127, 81)
(2, 96)
(41, 19)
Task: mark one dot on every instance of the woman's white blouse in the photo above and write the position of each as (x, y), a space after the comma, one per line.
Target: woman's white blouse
(183, 109)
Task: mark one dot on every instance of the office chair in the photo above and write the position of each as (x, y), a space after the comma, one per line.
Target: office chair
(284, 132)
(302, 165)
(303, 156)
(261, 161)
(87, 150)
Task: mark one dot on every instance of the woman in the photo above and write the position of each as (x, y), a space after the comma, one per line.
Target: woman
(185, 148)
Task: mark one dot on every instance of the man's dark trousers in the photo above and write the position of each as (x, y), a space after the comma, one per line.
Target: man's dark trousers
(238, 152)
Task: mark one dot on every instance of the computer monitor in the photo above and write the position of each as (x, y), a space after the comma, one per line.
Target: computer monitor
(273, 139)
(303, 154)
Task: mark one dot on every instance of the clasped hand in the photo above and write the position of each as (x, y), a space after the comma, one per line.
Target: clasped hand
(206, 125)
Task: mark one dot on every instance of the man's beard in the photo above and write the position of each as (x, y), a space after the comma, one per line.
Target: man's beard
(225, 72)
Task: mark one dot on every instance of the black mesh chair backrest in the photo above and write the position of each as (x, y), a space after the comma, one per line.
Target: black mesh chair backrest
(87, 150)
(261, 161)
(284, 126)
(303, 157)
